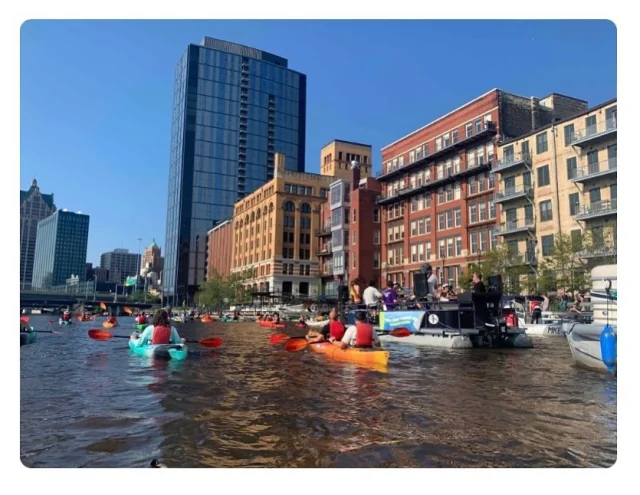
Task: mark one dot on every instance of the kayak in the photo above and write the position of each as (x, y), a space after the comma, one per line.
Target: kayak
(27, 338)
(165, 351)
(62, 322)
(141, 326)
(228, 320)
(270, 324)
(109, 325)
(364, 356)
(206, 320)
(301, 325)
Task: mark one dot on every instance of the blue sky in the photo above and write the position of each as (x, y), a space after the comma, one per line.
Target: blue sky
(96, 96)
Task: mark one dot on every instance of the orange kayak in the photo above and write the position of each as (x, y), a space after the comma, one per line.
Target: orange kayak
(206, 320)
(270, 324)
(364, 356)
(108, 325)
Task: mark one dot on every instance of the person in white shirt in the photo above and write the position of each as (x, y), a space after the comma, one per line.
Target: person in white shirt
(371, 295)
(360, 335)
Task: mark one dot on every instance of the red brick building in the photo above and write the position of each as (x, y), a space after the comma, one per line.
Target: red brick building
(219, 249)
(437, 185)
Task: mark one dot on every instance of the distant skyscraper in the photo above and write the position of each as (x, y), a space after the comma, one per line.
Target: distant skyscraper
(234, 107)
(121, 264)
(61, 248)
(34, 206)
(151, 259)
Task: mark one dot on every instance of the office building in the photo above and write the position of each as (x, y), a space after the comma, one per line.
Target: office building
(234, 108)
(61, 248)
(120, 264)
(561, 179)
(219, 249)
(273, 233)
(152, 258)
(34, 206)
(437, 185)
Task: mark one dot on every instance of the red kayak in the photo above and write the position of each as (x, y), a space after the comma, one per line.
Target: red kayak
(270, 324)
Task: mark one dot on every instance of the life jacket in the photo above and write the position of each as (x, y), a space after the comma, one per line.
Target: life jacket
(364, 335)
(66, 317)
(336, 330)
(161, 335)
(141, 320)
(111, 319)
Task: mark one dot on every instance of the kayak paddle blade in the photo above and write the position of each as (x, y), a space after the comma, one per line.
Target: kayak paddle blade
(400, 332)
(127, 310)
(295, 345)
(278, 338)
(98, 334)
(212, 342)
(24, 318)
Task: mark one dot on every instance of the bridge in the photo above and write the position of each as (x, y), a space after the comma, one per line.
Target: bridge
(75, 300)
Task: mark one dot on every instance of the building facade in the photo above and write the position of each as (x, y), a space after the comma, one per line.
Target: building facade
(152, 258)
(336, 160)
(120, 264)
(560, 180)
(34, 206)
(437, 189)
(234, 108)
(219, 249)
(61, 248)
(273, 230)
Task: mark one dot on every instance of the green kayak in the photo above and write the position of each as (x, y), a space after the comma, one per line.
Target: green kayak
(27, 338)
(170, 351)
(141, 326)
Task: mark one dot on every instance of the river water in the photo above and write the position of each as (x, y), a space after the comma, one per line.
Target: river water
(86, 403)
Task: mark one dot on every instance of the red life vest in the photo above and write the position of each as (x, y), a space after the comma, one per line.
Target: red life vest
(161, 335)
(364, 335)
(336, 330)
(141, 320)
(66, 317)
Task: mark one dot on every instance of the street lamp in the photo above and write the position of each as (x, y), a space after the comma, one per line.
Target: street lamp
(138, 268)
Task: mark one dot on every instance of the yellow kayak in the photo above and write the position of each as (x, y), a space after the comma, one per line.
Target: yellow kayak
(365, 356)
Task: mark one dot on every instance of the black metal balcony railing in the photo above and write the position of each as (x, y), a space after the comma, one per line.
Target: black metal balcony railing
(487, 129)
(516, 226)
(599, 252)
(509, 162)
(514, 192)
(598, 209)
(519, 259)
(599, 130)
(323, 231)
(596, 170)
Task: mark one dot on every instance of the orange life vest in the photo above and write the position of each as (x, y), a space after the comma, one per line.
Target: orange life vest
(364, 335)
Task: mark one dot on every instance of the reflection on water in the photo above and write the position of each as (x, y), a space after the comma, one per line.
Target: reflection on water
(88, 403)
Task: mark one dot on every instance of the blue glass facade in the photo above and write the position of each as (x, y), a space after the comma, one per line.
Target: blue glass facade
(234, 107)
(61, 248)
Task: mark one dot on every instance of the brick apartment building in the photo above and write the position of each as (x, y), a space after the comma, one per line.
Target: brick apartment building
(438, 189)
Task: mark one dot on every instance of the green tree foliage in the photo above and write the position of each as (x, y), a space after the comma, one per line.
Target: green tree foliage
(213, 293)
(138, 296)
(498, 261)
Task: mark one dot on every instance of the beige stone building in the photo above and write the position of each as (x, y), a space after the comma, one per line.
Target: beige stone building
(560, 179)
(274, 232)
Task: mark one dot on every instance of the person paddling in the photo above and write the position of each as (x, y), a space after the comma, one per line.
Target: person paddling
(362, 335)
(141, 319)
(159, 332)
(332, 330)
(66, 316)
(112, 320)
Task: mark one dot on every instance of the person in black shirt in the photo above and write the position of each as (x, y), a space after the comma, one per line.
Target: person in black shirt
(478, 285)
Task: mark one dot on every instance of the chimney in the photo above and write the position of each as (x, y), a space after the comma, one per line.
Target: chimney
(355, 175)
(535, 110)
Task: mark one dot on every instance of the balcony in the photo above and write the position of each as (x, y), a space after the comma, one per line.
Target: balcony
(599, 252)
(597, 170)
(511, 162)
(513, 193)
(327, 271)
(326, 251)
(516, 226)
(323, 232)
(599, 209)
(487, 130)
(593, 134)
(519, 259)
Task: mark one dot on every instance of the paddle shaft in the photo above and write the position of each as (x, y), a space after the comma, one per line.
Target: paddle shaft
(128, 337)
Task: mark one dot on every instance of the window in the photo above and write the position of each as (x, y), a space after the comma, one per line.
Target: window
(449, 190)
(353, 238)
(450, 248)
(376, 237)
(473, 185)
(458, 213)
(482, 212)
(574, 203)
(541, 143)
(614, 191)
(473, 214)
(441, 251)
(483, 241)
(440, 221)
(492, 209)
(376, 259)
(428, 250)
(471, 159)
(590, 124)
(459, 245)
(401, 161)
(594, 195)
(445, 141)
(507, 154)
(412, 156)
(568, 134)
(414, 228)
(457, 191)
(576, 239)
(524, 149)
(473, 242)
(547, 245)
(543, 176)
(354, 215)
(454, 136)
(427, 225)
(438, 144)
(572, 167)
(376, 215)
(469, 130)
(440, 195)
(420, 252)
(449, 216)
(546, 214)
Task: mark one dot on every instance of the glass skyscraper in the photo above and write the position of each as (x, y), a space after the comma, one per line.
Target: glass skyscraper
(61, 248)
(234, 107)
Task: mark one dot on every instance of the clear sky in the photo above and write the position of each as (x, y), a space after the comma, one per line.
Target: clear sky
(96, 96)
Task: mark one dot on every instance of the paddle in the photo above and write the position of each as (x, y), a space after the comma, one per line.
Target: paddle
(295, 344)
(25, 319)
(98, 334)
(44, 331)
(127, 310)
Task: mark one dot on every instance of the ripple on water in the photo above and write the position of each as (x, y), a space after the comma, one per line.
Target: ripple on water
(87, 403)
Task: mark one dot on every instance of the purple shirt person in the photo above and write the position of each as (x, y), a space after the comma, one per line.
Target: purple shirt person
(389, 297)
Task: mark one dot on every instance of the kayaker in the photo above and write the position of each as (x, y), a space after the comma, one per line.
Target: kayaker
(361, 335)
(332, 330)
(389, 297)
(276, 319)
(112, 320)
(24, 326)
(141, 319)
(159, 332)
(66, 316)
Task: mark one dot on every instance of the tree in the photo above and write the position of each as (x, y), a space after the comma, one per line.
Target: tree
(219, 291)
(600, 244)
(498, 261)
(564, 268)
